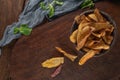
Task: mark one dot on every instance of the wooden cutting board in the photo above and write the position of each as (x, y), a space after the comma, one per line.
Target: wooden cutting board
(30, 51)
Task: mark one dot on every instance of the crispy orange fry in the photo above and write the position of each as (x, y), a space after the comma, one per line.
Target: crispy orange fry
(89, 43)
(108, 39)
(109, 30)
(69, 56)
(93, 17)
(53, 62)
(100, 45)
(82, 42)
(87, 56)
(73, 36)
(82, 38)
(88, 19)
(99, 16)
(99, 26)
(99, 35)
(79, 18)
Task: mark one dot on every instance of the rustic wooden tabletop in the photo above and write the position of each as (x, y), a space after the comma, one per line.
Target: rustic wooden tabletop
(21, 59)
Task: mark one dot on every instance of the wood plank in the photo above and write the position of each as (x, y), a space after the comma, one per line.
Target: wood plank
(29, 52)
(9, 12)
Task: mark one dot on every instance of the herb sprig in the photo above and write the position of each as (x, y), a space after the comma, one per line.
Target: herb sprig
(50, 7)
(87, 3)
(23, 29)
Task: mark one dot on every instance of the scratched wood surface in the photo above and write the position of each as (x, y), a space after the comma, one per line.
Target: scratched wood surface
(21, 60)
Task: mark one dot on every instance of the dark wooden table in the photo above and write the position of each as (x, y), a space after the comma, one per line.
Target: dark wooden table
(21, 60)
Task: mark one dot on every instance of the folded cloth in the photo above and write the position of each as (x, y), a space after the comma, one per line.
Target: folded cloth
(33, 15)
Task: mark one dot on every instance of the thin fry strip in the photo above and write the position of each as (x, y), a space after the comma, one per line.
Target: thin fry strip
(69, 56)
(87, 56)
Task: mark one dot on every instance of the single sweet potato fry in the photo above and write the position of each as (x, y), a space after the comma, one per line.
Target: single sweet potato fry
(82, 37)
(99, 16)
(100, 45)
(93, 17)
(53, 62)
(87, 56)
(73, 36)
(69, 56)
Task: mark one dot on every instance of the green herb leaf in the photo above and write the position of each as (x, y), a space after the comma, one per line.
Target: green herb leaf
(58, 2)
(50, 7)
(42, 5)
(23, 29)
(87, 3)
(51, 10)
(16, 30)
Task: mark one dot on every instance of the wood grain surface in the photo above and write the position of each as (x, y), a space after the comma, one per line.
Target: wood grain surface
(27, 54)
(9, 12)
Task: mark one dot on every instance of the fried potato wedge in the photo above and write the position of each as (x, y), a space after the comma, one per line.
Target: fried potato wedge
(100, 26)
(93, 17)
(53, 62)
(87, 56)
(80, 29)
(99, 16)
(91, 43)
(99, 35)
(109, 30)
(82, 38)
(100, 45)
(88, 19)
(69, 56)
(107, 39)
(79, 18)
(73, 36)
